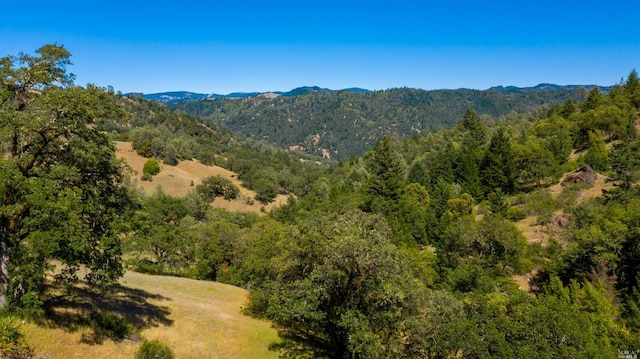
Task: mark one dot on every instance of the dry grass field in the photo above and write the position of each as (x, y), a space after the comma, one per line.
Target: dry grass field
(177, 180)
(197, 319)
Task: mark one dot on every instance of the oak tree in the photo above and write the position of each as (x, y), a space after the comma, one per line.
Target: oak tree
(61, 187)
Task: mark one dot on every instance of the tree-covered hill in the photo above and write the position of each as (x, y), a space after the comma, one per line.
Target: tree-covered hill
(157, 132)
(344, 124)
(409, 251)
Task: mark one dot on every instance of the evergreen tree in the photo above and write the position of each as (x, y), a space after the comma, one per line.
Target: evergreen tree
(386, 180)
(631, 89)
(568, 109)
(594, 100)
(476, 129)
(442, 165)
(468, 174)
(624, 160)
(497, 169)
(597, 155)
(418, 174)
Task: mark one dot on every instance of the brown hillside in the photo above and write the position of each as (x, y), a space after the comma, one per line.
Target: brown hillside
(176, 180)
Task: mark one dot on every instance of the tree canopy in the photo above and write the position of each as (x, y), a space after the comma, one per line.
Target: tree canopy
(61, 186)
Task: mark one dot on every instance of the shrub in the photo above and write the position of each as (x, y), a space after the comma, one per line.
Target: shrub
(266, 190)
(154, 349)
(515, 214)
(110, 325)
(12, 344)
(214, 186)
(151, 167)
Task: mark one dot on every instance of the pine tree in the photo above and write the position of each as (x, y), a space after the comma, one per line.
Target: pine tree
(476, 129)
(387, 172)
(594, 100)
(497, 169)
(631, 89)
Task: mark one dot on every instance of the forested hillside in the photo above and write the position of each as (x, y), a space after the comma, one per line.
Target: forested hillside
(413, 249)
(157, 132)
(416, 249)
(345, 124)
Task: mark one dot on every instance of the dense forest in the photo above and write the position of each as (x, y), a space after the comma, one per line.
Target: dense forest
(344, 124)
(412, 250)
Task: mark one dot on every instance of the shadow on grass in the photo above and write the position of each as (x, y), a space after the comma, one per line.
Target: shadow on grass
(129, 307)
(297, 344)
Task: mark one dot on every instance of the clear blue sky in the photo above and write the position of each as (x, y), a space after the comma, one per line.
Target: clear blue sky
(227, 46)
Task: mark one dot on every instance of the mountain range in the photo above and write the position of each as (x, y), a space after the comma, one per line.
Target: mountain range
(179, 96)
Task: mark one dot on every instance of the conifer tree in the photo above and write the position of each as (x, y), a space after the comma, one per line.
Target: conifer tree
(631, 89)
(497, 169)
(386, 176)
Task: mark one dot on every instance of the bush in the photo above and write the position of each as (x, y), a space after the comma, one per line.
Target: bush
(515, 214)
(154, 349)
(214, 186)
(12, 344)
(151, 167)
(110, 325)
(266, 190)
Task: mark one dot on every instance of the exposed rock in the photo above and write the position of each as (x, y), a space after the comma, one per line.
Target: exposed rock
(585, 174)
(561, 220)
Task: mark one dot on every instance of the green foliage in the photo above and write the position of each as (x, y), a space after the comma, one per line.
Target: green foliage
(344, 279)
(534, 163)
(515, 214)
(214, 186)
(417, 274)
(110, 325)
(498, 167)
(12, 342)
(541, 204)
(625, 164)
(348, 124)
(56, 168)
(498, 203)
(477, 130)
(597, 155)
(151, 167)
(266, 190)
(154, 349)
(387, 172)
(631, 89)
(594, 100)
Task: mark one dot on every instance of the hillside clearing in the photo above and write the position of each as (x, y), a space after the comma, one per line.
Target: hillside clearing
(177, 180)
(197, 319)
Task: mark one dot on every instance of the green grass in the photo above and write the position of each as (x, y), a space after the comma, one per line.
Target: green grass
(197, 319)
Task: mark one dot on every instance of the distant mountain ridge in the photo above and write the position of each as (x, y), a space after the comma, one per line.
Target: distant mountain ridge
(178, 96)
(341, 125)
(544, 87)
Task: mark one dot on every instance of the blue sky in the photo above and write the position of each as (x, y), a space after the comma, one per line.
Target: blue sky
(223, 47)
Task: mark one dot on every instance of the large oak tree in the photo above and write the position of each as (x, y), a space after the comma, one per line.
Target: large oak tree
(61, 187)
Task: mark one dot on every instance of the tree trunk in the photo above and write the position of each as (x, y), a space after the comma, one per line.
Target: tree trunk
(4, 262)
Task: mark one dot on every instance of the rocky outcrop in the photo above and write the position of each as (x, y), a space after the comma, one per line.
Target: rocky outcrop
(585, 174)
